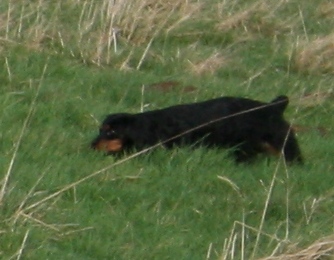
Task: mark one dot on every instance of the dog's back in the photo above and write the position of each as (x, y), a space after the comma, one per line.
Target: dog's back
(250, 126)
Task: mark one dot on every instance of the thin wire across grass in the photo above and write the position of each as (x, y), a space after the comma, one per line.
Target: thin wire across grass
(23, 211)
(142, 152)
(229, 249)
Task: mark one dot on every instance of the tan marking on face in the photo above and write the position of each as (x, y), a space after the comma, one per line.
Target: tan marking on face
(269, 149)
(114, 145)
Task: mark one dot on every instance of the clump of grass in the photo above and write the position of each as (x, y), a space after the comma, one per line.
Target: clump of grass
(210, 64)
(240, 18)
(320, 249)
(316, 56)
(314, 99)
(326, 10)
(258, 18)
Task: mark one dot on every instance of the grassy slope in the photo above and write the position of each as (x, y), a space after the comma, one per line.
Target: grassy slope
(59, 78)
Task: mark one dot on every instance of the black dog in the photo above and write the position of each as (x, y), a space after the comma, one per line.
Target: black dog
(249, 127)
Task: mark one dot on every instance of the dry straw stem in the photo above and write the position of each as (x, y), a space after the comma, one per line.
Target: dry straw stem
(269, 194)
(310, 205)
(18, 143)
(19, 254)
(320, 249)
(229, 249)
(316, 56)
(230, 183)
(232, 244)
(208, 254)
(76, 183)
(264, 213)
(30, 193)
(75, 231)
(40, 222)
(209, 65)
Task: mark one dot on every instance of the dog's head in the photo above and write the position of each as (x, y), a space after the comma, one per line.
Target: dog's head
(113, 136)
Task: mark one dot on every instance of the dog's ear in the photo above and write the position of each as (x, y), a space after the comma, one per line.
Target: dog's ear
(279, 104)
(119, 119)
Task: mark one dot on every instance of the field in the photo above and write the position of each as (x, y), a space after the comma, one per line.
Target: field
(67, 64)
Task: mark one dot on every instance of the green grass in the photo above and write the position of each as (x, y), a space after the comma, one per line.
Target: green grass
(60, 75)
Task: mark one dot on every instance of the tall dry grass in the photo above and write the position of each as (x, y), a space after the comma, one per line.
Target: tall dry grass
(101, 31)
(316, 55)
(94, 30)
(320, 249)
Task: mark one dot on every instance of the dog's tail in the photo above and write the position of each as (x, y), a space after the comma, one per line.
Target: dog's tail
(279, 104)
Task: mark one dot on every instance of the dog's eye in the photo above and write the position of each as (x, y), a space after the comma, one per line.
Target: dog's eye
(111, 132)
(107, 129)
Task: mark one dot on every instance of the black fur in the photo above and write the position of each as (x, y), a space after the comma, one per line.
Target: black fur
(248, 126)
